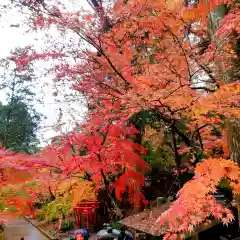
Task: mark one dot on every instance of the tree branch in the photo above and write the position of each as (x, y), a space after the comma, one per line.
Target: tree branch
(177, 159)
(51, 194)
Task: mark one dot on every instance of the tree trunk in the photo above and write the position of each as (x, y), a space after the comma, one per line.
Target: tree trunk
(233, 126)
(213, 23)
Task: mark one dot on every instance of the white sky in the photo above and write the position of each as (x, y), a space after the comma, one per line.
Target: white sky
(16, 37)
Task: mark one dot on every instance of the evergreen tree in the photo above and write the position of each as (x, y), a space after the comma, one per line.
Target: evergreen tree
(19, 121)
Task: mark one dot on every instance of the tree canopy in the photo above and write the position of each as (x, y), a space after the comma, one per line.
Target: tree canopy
(18, 128)
(145, 67)
(19, 119)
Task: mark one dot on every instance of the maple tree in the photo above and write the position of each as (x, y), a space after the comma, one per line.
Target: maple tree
(149, 55)
(27, 179)
(182, 217)
(102, 154)
(18, 184)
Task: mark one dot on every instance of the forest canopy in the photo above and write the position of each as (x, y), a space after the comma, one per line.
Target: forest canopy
(158, 76)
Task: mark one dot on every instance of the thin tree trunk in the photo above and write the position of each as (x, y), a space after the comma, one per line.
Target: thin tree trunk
(106, 183)
(233, 126)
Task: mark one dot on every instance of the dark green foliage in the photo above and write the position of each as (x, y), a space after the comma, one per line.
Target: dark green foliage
(19, 120)
(161, 159)
(164, 156)
(151, 59)
(116, 225)
(67, 225)
(18, 127)
(143, 118)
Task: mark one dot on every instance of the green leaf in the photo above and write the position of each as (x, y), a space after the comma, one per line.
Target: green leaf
(151, 59)
(22, 194)
(2, 206)
(32, 184)
(224, 183)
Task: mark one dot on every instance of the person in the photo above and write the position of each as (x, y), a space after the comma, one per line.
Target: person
(124, 234)
(84, 232)
(129, 235)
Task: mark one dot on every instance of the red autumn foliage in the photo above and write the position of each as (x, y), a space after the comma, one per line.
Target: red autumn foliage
(17, 172)
(101, 153)
(145, 58)
(182, 216)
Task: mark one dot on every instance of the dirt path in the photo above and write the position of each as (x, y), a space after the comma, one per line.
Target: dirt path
(16, 230)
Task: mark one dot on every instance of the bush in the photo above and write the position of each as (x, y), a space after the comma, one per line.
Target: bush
(67, 225)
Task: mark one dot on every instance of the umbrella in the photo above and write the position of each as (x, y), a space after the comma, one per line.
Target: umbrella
(108, 233)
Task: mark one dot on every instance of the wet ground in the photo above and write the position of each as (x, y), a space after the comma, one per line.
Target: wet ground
(22, 230)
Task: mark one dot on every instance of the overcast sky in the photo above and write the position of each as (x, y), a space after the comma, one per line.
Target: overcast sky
(11, 38)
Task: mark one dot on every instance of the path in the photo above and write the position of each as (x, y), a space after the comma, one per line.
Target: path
(15, 230)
